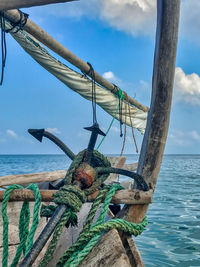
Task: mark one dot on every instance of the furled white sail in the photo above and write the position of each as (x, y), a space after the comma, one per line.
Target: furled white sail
(80, 83)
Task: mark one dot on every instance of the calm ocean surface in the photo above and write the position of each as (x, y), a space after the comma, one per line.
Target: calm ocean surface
(172, 237)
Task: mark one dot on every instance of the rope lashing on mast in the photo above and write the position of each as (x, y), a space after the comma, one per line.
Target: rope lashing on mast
(25, 235)
(15, 25)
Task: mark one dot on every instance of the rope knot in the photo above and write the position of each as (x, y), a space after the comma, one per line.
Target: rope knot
(71, 196)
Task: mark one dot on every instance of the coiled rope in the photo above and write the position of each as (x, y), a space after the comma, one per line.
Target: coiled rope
(25, 236)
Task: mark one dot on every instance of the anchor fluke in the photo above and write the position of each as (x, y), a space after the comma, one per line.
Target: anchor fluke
(37, 133)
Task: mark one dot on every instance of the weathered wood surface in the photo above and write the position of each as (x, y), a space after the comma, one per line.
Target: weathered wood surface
(13, 210)
(56, 175)
(120, 197)
(162, 88)
(51, 43)
(109, 252)
(131, 166)
(32, 177)
(131, 250)
(13, 4)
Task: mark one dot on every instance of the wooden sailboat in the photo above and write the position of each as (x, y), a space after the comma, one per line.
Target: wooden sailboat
(114, 248)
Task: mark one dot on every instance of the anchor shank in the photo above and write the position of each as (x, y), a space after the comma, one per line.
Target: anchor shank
(43, 237)
(91, 146)
(93, 138)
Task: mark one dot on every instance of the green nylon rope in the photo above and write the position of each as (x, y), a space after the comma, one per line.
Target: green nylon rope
(73, 197)
(89, 238)
(95, 233)
(80, 254)
(65, 218)
(25, 236)
(90, 235)
(121, 96)
(81, 241)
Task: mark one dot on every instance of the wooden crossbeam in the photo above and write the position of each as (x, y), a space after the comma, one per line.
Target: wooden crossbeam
(13, 4)
(120, 197)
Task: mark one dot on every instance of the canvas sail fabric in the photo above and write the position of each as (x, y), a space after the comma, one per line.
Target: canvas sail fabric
(78, 82)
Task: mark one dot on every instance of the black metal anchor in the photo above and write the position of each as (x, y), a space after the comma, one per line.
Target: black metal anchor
(93, 138)
(40, 133)
(49, 228)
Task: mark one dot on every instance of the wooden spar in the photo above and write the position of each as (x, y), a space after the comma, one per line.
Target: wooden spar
(45, 176)
(51, 43)
(32, 177)
(159, 114)
(120, 197)
(13, 4)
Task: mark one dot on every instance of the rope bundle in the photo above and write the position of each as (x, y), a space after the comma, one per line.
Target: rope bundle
(25, 236)
(73, 197)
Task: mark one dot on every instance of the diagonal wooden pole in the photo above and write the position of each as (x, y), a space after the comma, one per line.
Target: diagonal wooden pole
(51, 43)
(13, 4)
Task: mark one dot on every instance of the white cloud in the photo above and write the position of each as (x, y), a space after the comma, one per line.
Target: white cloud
(187, 87)
(109, 75)
(132, 16)
(136, 17)
(53, 130)
(11, 133)
(181, 138)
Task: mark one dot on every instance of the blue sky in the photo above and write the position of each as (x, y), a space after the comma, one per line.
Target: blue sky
(117, 37)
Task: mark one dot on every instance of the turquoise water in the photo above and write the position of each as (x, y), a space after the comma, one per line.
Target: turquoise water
(172, 237)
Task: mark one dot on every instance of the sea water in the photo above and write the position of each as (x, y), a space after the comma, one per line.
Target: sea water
(172, 237)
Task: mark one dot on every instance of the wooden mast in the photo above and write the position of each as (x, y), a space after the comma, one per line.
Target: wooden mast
(51, 43)
(12, 4)
(162, 88)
